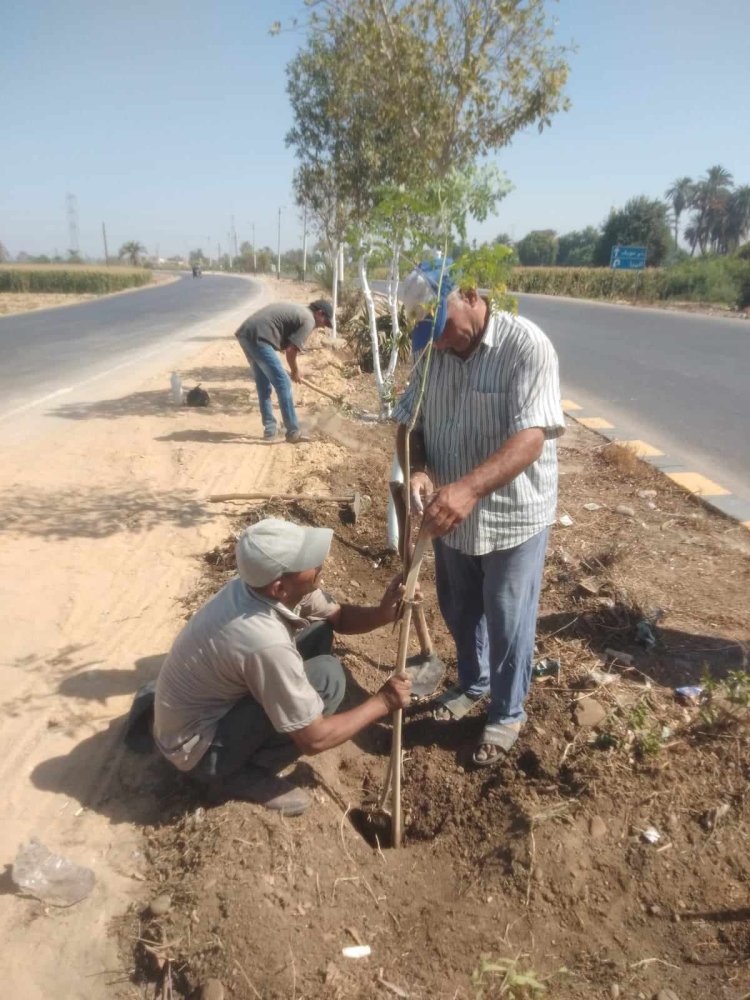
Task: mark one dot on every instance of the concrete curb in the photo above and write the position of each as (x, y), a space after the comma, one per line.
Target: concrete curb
(711, 494)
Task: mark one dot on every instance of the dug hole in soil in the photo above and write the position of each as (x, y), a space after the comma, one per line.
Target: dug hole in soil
(607, 857)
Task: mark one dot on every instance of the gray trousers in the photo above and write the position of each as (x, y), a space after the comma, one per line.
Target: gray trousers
(245, 736)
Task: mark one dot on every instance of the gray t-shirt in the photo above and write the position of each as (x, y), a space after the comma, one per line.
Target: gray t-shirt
(279, 324)
(237, 644)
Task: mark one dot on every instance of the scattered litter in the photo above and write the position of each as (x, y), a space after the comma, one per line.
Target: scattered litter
(646, 494)
(617, 654)
(566, 558)
(356, 951)
(566, 520)
(644, 635)
(50, 877)
(592, 506)
(651, 835)
(546, 668)
(622, 508)
(590, 585)
(199, 815)
(606, 602)
(690, 692)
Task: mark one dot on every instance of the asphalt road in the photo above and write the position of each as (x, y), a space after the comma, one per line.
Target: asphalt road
(42, 351)
(673, 379)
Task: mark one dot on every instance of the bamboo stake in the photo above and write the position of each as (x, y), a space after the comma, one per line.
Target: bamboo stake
(397, 821)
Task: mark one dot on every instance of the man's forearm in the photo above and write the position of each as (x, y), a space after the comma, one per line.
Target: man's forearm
(355, 619)
(509, 461)
(333, 730)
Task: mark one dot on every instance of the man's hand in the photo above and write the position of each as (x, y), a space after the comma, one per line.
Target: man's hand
(420, 489)
(396, 693)
(450, 506)
(390, 602)
(291, 353)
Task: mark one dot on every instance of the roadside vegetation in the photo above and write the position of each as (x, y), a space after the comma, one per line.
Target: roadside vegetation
(70, 279)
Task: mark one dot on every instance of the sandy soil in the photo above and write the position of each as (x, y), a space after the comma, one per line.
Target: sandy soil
(103, 519)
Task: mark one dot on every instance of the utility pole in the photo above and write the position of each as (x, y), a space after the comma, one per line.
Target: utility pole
(234, 237)
(255, 255)
(278, 248)
(104, 237)
(72, 206)
(304, 244)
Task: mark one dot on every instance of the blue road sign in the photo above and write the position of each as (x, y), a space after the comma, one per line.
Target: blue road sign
(628, 258)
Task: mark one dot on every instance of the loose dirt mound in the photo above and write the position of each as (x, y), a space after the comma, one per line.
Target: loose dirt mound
(541, 867)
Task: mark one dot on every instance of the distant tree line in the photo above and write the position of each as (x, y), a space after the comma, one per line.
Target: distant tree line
(718, 220)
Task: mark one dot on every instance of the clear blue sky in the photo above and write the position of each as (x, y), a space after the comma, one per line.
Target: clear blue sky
(166, 119)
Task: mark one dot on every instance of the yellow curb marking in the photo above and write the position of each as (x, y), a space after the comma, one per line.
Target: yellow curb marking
(595, 423)
(694, 482)
(568, 404)
(642, 448)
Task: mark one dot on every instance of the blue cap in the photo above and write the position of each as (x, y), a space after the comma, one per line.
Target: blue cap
(427, 276)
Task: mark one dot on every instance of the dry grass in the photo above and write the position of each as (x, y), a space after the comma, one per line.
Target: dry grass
(624, 460)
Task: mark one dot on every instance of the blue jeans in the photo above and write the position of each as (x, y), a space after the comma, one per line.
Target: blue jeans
(269, 372)
(489, 603)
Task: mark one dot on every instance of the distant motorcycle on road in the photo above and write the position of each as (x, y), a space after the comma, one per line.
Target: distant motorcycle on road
(197, 271)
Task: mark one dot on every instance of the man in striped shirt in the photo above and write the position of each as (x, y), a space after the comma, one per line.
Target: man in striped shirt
(484, 469)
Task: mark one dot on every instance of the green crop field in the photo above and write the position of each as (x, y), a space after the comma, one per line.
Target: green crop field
(71, 279)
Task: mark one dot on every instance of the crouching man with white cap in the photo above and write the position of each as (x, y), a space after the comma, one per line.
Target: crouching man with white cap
(250, 683)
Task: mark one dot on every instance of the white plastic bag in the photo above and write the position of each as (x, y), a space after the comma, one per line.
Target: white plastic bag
(50, 877)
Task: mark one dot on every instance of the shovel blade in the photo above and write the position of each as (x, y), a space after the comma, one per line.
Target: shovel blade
(426, 672)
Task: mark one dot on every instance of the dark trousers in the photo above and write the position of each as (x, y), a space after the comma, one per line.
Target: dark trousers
(245, 736)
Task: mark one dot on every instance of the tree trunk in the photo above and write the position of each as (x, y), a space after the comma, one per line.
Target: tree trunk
(393, 306)
(374, 341)
(335, 290)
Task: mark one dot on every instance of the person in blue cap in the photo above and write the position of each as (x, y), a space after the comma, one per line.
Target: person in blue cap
(484, 474)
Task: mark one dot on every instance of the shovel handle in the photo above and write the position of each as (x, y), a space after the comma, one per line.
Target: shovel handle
(316, 388)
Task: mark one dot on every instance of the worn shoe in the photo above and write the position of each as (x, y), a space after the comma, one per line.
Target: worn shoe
(270, 435)
(254, 784)
(298, 437)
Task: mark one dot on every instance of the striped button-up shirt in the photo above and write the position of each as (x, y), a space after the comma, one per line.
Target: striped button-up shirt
(469, 410)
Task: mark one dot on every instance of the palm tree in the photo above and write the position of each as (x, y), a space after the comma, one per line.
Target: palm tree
(132, 250)
(709, 199)
(679, 195)
(738, 217)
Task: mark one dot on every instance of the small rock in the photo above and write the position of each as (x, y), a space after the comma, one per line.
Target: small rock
(566, 520)
(654, 909)
(309, 872)
(160, 905)
(592, 506)
(589, 585)
(589, 713)
(212, 989)
(646, 494)
(614, 991)
(623, 509)
(597, 827)
(666, 995)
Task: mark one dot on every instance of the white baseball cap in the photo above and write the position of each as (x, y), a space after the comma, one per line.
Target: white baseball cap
(272, 547)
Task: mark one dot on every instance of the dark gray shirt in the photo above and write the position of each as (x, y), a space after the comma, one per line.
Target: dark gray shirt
(279, 324)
